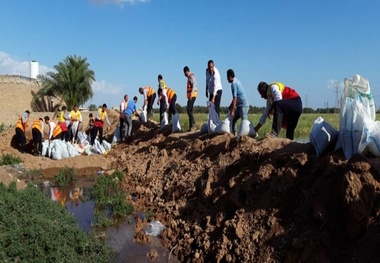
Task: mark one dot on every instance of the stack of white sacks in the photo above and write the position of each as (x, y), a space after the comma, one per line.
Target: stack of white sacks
(215, 126)
(358, 130)
(58, 149)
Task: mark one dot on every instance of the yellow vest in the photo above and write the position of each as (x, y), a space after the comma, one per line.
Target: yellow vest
(163, 84)
(61, 116)
(102, 114)
(75, 116)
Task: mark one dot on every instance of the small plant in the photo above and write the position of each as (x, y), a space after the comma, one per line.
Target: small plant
(8, 159)
(110, 200)
(65, 177)
(2, 127)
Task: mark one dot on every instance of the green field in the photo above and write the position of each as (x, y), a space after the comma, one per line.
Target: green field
(302, 131)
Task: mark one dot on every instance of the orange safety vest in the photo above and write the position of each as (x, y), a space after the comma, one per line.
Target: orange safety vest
(21, 125)
(190, 87)
(37, 124)
(150, 91)
(170, 93)
(57, 131)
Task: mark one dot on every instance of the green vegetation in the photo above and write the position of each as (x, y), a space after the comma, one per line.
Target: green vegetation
(34, 229)
(2, 127)
(8, 159)
(71, 82)
(110, 200)
(65, 177)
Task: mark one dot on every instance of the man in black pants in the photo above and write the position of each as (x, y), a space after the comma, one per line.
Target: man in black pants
(284, 103)
(191, 92)
(213, 85)
(169, 98)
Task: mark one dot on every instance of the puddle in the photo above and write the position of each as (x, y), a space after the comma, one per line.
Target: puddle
(78, 201)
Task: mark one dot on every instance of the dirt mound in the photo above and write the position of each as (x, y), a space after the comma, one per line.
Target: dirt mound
(273, 200)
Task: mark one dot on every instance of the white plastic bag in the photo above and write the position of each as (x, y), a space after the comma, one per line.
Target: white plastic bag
(164, 120)
(370, 141)
(106, 145)
(71, 150)
(81, 137)
(59, 150)
(213, 118)
(246, 129)
(143, 116)
(357, 109)
(90, 150)
(45, 146)
(204, 128)
(322, 135)
(225, 126)
(98, 147)
(176, 125)
(116, 135)
(154, 228)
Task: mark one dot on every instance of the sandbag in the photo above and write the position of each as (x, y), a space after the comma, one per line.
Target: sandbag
(213, 118)
(98, 147)
(204, 128)
(71, 150)
(116, 135)
(82, 137)
(246, 129)
(143, 116)
(45, 146)
(106, 145)
(164, 120)
(58, 150)
(357, 110)
(226, 125)
(322, 135)
(90, 150)
(176, 125)
(370, 140)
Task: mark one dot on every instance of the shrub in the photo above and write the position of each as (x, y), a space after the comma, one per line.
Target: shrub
(8, 159)
(109, 199)
(32, 176)
(65, 177)
(34, 229)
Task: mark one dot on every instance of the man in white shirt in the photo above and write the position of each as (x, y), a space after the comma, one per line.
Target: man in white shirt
(213, 85)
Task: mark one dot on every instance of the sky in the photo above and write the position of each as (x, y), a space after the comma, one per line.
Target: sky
(307, 45)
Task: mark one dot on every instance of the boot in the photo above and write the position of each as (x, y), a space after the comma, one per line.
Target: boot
(277, 123)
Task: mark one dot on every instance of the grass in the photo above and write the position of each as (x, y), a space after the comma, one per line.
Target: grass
(32, 177)
(34, 229)
(302, 131)
(110, 200)
(9, 159)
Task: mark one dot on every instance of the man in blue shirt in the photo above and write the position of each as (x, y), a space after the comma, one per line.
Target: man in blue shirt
(239, 105)
(130, 109)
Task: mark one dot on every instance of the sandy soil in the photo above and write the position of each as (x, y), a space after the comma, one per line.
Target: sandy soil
(228, 200)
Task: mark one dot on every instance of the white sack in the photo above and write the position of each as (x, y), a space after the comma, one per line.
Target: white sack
(176, 125)
(322, 135)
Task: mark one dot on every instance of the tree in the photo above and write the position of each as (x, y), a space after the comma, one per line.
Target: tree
(71, 82)
(92, 107)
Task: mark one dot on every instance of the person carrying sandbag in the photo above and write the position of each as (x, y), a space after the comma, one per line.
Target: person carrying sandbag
(281, 101)
(101, 116)
(21, 125)
(54, 129)
(127, 114)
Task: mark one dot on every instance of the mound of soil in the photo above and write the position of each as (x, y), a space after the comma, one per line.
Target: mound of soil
(225, 199)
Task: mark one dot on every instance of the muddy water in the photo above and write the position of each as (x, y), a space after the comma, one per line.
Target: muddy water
(78, 202)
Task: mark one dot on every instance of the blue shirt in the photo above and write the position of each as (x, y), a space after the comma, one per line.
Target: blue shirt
(239, 92)
(131, 107)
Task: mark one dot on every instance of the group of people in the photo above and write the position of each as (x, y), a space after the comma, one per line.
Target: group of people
(66, 127)
(283, 102)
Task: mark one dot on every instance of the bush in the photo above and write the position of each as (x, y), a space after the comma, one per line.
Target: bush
(32, 176)
(65, 177)
(34, 229)
(8, 159)
(2, 127)
(110, 200)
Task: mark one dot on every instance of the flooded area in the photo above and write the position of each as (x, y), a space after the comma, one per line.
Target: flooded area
(78, 201)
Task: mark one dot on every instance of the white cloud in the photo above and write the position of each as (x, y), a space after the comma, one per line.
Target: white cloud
(117, 2)
(106, 88)
(13, 66)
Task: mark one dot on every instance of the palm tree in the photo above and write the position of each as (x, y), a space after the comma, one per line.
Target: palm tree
(71, 82)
